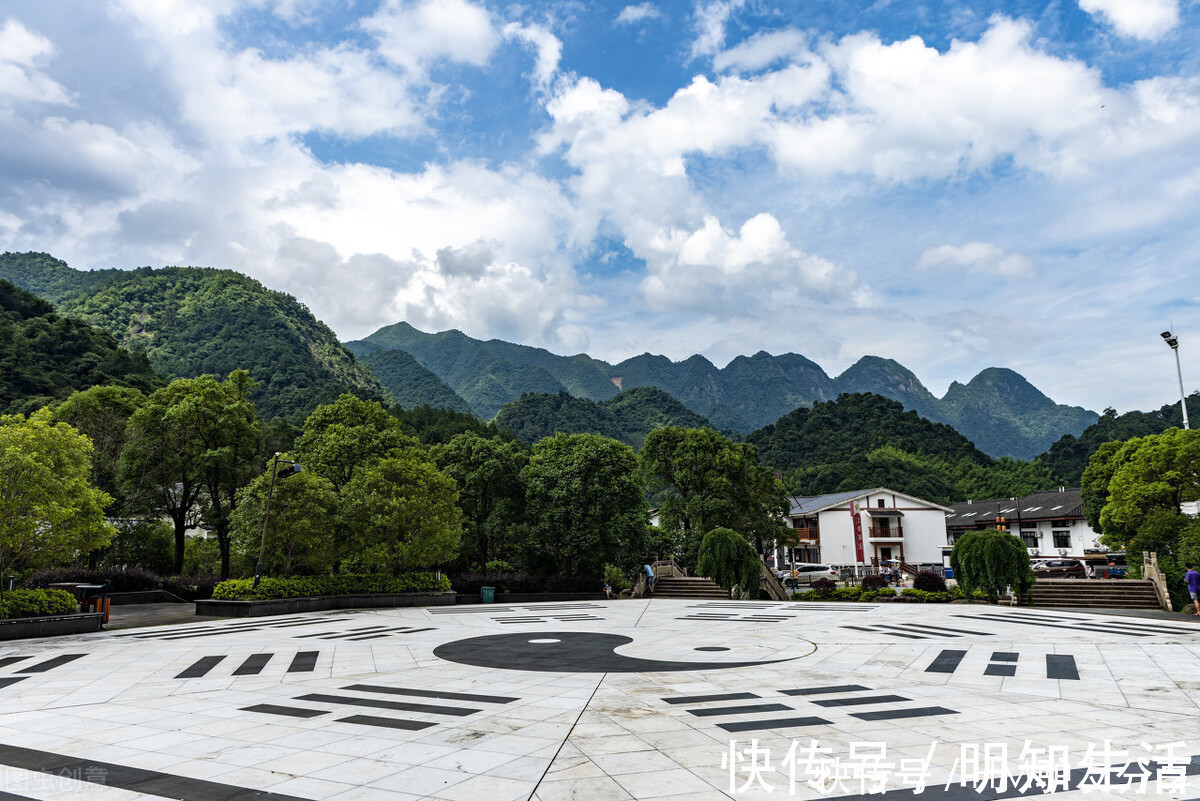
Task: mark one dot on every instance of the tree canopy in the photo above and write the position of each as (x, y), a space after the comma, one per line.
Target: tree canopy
(991, 561)
(340, 437)
(729, 560)
(49, 509)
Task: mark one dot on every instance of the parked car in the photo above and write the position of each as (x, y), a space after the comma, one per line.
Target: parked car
(1060, 568)
(801, 574)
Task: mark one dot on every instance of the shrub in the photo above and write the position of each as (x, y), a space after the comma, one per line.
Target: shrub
(191, 588)
(615, 578)
(882, 592)
(927, 597)
(930, 581)
(498, 566)
(873, 582)
(36, 603)
(128, 579)
(824, 585)
(469, 583)
(813, 595)
(348, 584)
(847, 594)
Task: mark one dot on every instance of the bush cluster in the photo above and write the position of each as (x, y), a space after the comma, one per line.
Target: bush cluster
(859, 594)
(470, 583)
(875, 581)
(346, 584)
(125, 579)
(36, 603)
(929, 581)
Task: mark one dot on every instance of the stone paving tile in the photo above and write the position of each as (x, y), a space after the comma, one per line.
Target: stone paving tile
(447, 730)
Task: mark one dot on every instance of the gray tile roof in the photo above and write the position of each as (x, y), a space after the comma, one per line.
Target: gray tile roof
(1052, 505)
(815, 503)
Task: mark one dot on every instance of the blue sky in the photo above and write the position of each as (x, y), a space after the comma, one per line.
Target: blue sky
(953, 185)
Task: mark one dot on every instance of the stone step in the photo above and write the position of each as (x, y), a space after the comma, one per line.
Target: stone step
(688, 587)
(1097, 594)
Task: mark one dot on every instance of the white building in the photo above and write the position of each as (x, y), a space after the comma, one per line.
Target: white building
(892, 525)
(1051, 524)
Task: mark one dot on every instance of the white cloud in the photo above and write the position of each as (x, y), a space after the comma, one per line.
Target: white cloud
(545, 44)
(978, 257)
(761, 50)
(21, 53)
(1140, 19)
(709, 22)
(416, 34)
(631, 15)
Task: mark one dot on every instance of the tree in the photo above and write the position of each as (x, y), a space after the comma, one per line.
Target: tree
(703, 480)
(49, 509)
(585, 504)
(728, 559)
(340, 437)
(490, 494)
(102, 413)
(194, 441)
(1155, 472)
(300, 531)
(991, 561)
(401, 513)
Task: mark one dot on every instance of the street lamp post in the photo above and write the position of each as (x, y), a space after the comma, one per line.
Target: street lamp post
(1173, 342)
(292, 469)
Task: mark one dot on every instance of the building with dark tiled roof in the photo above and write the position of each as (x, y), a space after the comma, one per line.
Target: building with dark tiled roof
(1051, 524)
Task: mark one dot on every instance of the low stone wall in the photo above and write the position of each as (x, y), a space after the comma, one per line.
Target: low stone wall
(22, 628)
(145, 597)
(321, 603)
(533, 597)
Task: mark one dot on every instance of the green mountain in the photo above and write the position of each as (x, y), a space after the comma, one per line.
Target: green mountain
(998, 409)
(45, 356)
(411, 384)
(866, 440)
(1068, 457)
(628, 417)
(194, 320)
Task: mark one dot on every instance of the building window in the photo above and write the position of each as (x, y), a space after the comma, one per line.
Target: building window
(881, 503)
(1062, 539)
(1031, 539)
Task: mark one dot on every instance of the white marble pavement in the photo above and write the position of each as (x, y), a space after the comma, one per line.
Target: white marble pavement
(604, 700)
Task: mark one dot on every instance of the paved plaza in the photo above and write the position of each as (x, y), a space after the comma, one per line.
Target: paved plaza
(626, 699)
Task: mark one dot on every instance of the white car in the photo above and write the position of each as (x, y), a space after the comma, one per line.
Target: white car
(806, 573)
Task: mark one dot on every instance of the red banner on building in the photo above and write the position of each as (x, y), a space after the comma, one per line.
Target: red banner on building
(858, 537)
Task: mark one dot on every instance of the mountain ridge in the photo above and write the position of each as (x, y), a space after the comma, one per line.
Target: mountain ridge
(998, 409)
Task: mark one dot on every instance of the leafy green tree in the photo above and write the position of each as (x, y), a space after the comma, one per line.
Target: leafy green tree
(991, 561)
(342, 436)
(728, 559)
(703, 480)
(1176, 540)
(1155, 472)
(491, 496)
(194, 441)
(301, 529)
(402, 513)
(1094, 487)
(49, 509)
(585, 505)
(102, 413)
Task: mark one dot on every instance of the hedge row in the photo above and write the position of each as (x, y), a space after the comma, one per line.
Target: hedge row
(349, 584)
(128, 579)
(858, 594)
(36, 603)
(470, 583)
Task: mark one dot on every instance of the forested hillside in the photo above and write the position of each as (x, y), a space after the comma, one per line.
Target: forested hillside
(191, 321)
(628, 417)
(998, 410)
(45, 356)
(1068, 457)
(411, 384)
(866, 440)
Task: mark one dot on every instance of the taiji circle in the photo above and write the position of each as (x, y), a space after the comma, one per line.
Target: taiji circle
(544, 641)
(711, 648)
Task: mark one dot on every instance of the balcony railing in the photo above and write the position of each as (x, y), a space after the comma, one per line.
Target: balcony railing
(889, 533)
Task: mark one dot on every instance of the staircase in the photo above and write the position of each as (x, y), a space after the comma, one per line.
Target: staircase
(688, 587)
(1095, 593)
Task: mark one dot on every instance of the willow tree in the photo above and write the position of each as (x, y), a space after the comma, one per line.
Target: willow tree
(991, 561)
(729, 559)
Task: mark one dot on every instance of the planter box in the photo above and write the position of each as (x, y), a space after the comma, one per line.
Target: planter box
(321, 603)
(534, 597)
(22, 628)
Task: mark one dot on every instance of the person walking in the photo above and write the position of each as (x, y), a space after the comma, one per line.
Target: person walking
(1192, 579)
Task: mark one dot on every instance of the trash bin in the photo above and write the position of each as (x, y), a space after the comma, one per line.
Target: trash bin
(487, 594)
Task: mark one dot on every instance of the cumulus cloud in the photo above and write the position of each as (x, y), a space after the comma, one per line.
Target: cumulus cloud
(22, 52)
(978, 257)
(761, 50)
(709, 22)
(631, 15)
(1140, 19)
(416, 34)
(545, 44)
